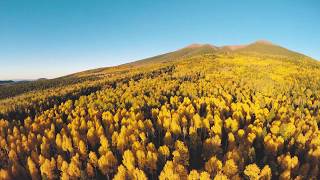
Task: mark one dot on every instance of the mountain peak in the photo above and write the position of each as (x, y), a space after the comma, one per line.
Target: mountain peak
(242, 46)
(262, 41)
(198, 45)
(262, 47)
(233, 47)
(194, 45)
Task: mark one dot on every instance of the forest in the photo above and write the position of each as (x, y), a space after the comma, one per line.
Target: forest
(192, 116)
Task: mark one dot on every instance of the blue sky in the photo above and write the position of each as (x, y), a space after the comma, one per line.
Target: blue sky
(51, 38)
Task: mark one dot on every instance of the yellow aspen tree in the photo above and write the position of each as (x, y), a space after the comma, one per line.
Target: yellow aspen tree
(129, 160)
(213, 166)
(138, 174)
(252, 171)
(164, 153)
(107, 163)
(74, 167)
(121, 173)
(33, 170)
(266, 173)
(104, 145)
(67, 144)
(47, 169)
(141, 159)
(230, 168)
(204, 176)
(169, 172)
(82, 147)
(193, 175)
(64, 171)
(92, 137)
(4, 174)
(93, 159)
(181, 154)
(221, 176)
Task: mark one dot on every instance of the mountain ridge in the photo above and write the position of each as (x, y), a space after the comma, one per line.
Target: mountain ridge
(263, 47)
(258, 48)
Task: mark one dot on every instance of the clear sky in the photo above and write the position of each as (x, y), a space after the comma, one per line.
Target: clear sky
(51, 38)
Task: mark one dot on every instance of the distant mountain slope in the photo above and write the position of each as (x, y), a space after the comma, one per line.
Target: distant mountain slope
(13, 88)
(191, 50)
(267, 48)
(6, 82)
(257, 48)
(261, 47)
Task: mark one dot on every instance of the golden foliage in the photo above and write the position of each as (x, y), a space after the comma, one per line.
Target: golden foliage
(210, 116)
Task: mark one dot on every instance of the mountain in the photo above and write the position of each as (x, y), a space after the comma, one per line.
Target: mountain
(15, 81)
(259, 48)
(232, 112)
(267, 48)
(6, 82)
(190, 50)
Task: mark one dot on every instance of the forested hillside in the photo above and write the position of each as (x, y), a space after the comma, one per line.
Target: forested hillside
(202, 112)
(6, 82)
